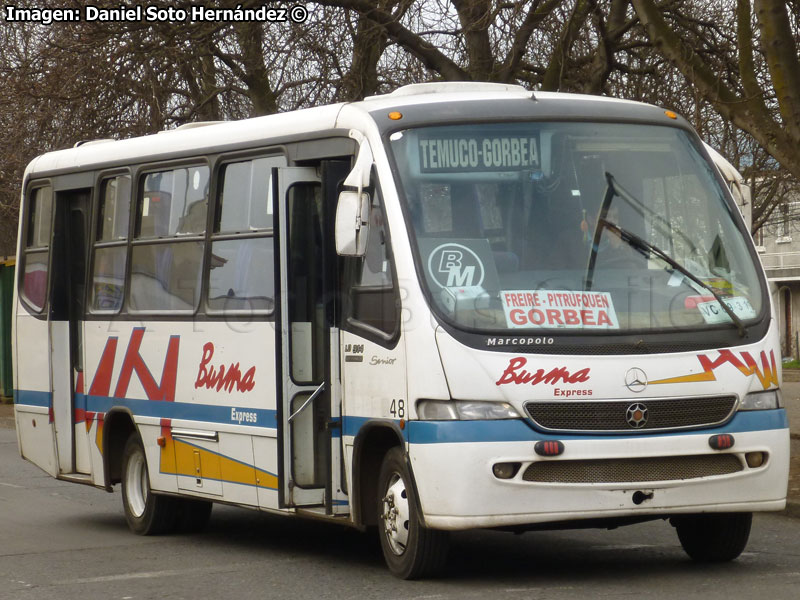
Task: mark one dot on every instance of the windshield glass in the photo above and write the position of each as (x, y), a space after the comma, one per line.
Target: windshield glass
(567, 226)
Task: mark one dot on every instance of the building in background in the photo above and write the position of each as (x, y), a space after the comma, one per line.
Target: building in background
(778, 244)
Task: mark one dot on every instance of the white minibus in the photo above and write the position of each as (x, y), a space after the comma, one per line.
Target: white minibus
(455, 306)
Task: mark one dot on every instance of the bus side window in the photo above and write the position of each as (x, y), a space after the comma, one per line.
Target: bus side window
(37, 247)
(167, 255)
(110, 248)
(240, 275)
(374, 294)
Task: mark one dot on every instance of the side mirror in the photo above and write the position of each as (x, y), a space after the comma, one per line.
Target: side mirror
(352, 223)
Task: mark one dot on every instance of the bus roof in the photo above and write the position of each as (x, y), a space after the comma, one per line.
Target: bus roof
(420, 103)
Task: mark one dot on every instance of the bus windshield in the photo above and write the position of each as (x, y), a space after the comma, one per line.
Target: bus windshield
(599, 227)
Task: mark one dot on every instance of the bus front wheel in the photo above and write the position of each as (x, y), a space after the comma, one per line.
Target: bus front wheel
(410, 550)
(146, 513)
(713, 537)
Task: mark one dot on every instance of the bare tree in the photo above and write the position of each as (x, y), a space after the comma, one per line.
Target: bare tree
(751, 75)
(87, 80)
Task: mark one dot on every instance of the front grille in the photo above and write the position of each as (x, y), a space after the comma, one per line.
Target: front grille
(632, 470)
(673, 413)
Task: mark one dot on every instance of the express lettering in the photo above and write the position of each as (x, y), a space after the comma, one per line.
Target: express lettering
(558, 392)
(515, 374)
(240, 416)
(221, 378)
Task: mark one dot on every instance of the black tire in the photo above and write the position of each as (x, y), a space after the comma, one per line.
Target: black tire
(147, 513)
(714, 537)
(411, 551)
(192, 515)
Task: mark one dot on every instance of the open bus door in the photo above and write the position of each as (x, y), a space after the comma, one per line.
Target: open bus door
(67, 292)
(306, 338)
(48, 329)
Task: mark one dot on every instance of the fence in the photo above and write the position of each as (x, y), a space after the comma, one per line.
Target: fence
(780, 260)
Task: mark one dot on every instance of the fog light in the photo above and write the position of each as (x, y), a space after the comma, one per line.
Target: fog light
(505, 470)
(755, 459)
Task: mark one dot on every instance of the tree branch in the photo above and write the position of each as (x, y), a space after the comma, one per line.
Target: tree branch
(553, 75)
(536, 15)
(784, 67)
(709, 84)
(414, 44)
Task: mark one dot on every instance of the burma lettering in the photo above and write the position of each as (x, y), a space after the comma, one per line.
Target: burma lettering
(220, 378)
(515, 374)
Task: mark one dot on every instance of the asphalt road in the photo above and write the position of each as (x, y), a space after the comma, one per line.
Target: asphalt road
(65, 541)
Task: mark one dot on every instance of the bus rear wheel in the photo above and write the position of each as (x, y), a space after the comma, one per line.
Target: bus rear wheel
(714, 537)
(411, 551)
(146, 513)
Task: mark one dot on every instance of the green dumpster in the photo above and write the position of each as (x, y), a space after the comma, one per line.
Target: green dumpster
(6, 307)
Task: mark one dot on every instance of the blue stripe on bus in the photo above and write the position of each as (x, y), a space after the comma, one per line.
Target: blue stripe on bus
(416, 432)
(30, 398)
(159, 409)
(184, 410)
(517, 430)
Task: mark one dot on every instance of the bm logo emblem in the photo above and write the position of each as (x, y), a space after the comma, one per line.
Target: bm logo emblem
(453, 265)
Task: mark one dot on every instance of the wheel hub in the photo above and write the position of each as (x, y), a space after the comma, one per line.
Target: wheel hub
(395, 514)
(137, 489)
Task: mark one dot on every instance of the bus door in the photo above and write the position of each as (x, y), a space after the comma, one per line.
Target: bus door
(68, 286)
(307, 336)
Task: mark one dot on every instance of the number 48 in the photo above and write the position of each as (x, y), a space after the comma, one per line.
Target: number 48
(398, 408)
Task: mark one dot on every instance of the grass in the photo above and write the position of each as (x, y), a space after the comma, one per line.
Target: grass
(792, 364)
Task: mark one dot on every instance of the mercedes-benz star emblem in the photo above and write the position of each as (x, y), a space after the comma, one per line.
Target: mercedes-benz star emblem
(636, 415)
(635, 380)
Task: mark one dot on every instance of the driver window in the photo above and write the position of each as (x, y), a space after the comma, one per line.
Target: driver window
(374, 297)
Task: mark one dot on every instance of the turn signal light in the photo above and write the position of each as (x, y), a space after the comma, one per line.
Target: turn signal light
(721, 442)
(549, 448)
(395, 116)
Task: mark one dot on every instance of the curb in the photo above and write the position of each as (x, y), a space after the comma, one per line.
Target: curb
(792, 375)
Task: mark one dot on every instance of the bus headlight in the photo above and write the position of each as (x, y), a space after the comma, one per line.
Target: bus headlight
(762, 401)
(466, 410)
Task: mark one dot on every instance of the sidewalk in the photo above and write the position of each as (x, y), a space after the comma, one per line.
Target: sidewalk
(6, 415)
(791, 399)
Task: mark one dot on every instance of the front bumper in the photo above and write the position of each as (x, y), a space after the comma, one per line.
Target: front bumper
(452, 463)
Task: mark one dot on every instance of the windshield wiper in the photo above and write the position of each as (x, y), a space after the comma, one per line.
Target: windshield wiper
(645, 247)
